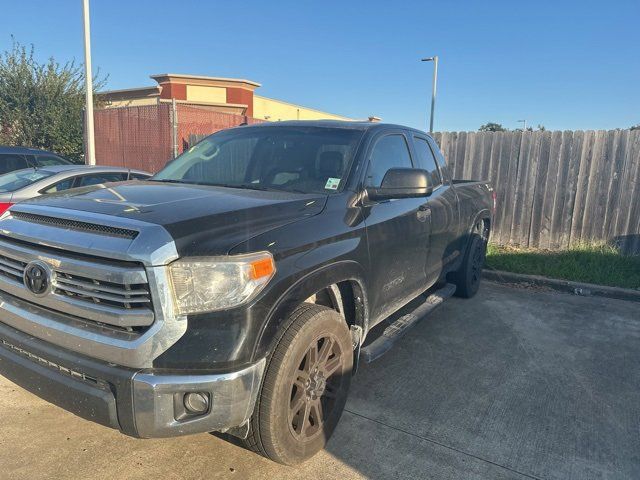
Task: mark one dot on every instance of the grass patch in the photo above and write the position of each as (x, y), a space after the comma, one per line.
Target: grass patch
(599, 264)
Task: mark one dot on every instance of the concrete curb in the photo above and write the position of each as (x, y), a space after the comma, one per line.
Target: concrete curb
(576, 288)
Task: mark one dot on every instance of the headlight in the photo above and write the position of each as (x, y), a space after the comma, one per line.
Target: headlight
(205, 284)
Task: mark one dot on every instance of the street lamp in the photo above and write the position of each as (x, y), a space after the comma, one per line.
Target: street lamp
(524, 125)
(88, 86)
(433, 59)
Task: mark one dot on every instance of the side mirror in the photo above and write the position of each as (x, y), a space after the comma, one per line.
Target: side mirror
(402, 183)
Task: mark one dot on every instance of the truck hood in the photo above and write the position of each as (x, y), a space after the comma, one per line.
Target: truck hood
(202, 220)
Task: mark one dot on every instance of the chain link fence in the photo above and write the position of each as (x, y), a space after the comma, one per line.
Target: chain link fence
(146, 137)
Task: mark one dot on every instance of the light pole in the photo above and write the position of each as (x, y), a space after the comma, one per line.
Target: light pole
(433, 59)
(90, 151)
(524, 125)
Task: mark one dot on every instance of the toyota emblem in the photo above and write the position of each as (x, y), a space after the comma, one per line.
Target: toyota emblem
(37, 278)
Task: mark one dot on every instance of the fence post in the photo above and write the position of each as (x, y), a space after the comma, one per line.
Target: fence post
(174, 127)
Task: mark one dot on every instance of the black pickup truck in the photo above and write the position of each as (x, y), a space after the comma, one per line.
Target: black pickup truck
(238, 288)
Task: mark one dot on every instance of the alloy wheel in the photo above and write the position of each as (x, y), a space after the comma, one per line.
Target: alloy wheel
(314, 388)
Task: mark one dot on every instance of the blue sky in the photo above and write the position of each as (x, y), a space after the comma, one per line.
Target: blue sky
(564, 64)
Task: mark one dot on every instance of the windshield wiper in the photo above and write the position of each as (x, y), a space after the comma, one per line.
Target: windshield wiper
(247, 186)
(242, 186)
(208, 184)
(256, 186)
(169, 180)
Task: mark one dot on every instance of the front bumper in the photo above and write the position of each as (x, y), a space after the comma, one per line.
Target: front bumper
(140, 403)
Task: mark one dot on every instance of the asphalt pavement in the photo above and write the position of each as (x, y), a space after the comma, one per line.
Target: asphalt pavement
(514, 383)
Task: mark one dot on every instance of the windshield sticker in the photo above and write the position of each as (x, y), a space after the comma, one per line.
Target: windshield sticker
(332, 184)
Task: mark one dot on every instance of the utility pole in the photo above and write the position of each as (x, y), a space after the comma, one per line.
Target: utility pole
(524, 125)
(174, 127)
(433, 59)
(90, 151)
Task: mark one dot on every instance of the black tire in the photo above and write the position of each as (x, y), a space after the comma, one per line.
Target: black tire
(467, 278)
(309, 371)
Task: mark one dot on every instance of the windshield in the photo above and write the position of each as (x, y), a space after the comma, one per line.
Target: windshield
(305, 160)
(10, 182)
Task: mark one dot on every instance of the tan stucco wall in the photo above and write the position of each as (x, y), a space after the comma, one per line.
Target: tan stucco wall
(276, 110)
(217, 97)
(198, 93)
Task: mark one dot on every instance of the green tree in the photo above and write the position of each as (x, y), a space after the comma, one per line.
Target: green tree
(492, 127)
(41, 104)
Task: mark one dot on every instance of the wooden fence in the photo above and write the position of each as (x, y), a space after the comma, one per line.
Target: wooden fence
(555, 189)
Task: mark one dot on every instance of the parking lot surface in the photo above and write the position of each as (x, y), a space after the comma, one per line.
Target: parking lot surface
(511, 384)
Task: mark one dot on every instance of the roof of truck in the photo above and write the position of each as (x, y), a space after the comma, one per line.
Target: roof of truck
(354, 125)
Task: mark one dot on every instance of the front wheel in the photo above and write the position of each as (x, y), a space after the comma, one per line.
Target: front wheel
(305, 387)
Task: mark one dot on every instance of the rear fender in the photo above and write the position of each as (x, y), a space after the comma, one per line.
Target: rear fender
(484, 214)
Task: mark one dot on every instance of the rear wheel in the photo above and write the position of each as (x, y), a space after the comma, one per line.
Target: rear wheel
(305, 387)
(467, 279)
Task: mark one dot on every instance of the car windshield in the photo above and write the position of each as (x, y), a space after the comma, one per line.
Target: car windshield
(296, 159)
(10, 182)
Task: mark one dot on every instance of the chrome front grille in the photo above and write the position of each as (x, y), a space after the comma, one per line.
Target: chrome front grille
(101, 292)
(11, 269)
(114, 293)
(110, 296)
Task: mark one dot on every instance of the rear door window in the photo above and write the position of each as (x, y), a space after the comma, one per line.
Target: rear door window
(99, 178)
(426, 160)
(444, 170)
(60, 186)
(10, 162)
(139, 176)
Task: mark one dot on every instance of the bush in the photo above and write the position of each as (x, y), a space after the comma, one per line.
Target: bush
(41, 104)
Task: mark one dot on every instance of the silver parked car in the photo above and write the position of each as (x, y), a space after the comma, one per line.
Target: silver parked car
(32, 182)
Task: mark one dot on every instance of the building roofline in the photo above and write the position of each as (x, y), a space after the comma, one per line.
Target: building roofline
(204, 104)
(155, 88)
(158, 76)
